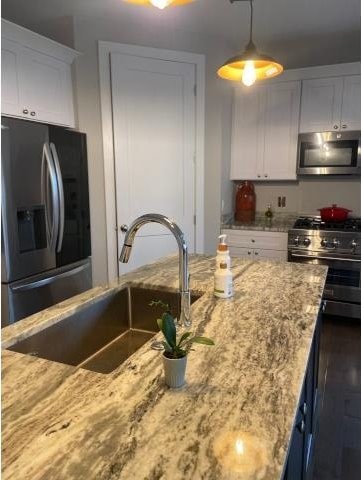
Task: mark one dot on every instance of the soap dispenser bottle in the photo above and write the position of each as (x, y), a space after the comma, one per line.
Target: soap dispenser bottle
(223, 282)
(223, 252)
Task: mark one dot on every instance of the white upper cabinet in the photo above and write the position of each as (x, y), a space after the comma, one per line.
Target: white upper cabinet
(331, 104)
(36, 77)
(265, 129)
(248, 132)
(281, 130)
(10, 85)
(351, 103)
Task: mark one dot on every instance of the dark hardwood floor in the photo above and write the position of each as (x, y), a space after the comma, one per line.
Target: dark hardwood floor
(338, 443)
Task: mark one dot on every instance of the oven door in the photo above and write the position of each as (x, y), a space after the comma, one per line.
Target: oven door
(329, 153)
(343, 284)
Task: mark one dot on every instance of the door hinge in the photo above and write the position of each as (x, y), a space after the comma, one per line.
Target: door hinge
(195, 90)
(194, 219)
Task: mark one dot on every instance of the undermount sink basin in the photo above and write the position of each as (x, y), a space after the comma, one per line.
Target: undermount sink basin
(101, 336)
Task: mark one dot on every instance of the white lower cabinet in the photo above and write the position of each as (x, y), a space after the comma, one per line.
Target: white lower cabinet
(257, 244)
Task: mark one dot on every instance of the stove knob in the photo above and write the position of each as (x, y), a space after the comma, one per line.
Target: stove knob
(296, 241)
(324, 242)
(306, 242)
(354, 245)
(335, 243)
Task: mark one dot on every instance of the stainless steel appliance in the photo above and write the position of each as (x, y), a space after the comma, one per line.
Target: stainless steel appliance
(329, 153)
(337, 245)
(45, 217)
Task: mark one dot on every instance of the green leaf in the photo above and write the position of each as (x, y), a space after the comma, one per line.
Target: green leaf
(160, 323)
(202, 340)
(168, 329)
(166, 347)
(183, 338)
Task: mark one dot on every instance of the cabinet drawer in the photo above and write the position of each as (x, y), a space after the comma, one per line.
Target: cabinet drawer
(240, 252)
(271, 254)
(257, 239)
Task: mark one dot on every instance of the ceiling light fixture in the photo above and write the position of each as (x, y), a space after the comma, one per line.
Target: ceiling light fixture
(250, 65)
(161, 4)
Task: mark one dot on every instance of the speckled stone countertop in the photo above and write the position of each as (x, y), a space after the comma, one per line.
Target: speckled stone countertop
(277, 223)
(233, 418)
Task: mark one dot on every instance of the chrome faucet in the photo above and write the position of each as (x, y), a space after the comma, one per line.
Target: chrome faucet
(184, 293)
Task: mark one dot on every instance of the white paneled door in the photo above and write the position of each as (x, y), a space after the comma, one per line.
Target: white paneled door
(153, 104)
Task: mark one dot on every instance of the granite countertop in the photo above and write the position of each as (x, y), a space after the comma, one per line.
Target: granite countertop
(277, 223)
(233, 418)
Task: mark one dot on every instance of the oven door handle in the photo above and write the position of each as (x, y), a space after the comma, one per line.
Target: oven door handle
(315, 257)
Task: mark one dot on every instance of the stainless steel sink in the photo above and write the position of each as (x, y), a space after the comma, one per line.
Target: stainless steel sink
(101, 336)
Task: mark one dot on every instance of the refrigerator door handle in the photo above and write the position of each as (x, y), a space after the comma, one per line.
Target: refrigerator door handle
(49, 280)
(52, 232)
(61, 198)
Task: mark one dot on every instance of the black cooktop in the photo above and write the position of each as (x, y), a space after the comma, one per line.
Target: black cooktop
(315, 223)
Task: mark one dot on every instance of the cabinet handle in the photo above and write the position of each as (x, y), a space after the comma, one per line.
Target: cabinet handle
(249, 253)
(253, 240)
(335, 127)
(344, 125)
(256, 253)
(258, 176)
(26, 111)
(32, 114)
(266, 175)
(301, 426)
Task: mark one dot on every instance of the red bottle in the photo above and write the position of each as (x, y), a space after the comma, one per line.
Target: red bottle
(245, 202)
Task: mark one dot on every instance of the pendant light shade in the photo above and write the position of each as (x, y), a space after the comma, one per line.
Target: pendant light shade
(251, 65)
(160, 3)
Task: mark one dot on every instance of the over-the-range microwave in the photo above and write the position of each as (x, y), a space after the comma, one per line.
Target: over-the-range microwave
(329, 153)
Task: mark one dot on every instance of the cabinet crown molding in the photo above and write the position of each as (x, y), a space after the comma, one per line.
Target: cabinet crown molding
(47, 46)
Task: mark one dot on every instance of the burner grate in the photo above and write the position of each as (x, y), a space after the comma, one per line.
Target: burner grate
(315, 223)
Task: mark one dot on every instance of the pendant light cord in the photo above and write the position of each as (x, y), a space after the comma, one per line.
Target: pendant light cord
(251, 28)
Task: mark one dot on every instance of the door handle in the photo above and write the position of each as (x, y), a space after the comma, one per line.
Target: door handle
(124, 228)
(49, 280)
(61, 198)
(48, 168)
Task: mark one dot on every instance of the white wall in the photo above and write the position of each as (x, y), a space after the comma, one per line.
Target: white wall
(308, 195)
(87, 31)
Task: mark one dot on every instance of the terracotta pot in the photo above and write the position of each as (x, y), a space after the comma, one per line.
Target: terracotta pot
(245, 202)
(334, 214)
(174, 371)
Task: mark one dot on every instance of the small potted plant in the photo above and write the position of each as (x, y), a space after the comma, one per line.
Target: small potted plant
(176, 349)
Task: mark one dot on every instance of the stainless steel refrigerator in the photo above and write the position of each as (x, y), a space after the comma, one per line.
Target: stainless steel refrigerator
(46, 249)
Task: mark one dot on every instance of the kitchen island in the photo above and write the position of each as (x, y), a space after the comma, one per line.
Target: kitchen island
(232, 420)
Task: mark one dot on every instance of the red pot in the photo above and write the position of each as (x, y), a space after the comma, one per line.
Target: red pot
(334, 214)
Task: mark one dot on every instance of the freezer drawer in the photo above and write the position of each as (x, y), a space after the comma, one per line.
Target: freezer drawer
(23, 298)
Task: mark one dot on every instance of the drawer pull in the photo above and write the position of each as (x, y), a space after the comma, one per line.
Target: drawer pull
(301, 426)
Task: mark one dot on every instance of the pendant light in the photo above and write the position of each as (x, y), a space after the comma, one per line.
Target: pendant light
(161, 4)
(250, 65)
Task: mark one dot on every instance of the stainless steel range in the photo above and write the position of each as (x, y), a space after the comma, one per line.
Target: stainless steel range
(338, 246)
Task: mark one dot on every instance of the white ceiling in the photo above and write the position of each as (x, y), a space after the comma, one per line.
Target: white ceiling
(298, 32)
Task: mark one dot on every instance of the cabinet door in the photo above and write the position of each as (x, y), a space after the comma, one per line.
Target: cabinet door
(281, 131)
(46, 88)
(10, 87)
(270, 254)
(321, 104)
(351, 103)
(248, 133)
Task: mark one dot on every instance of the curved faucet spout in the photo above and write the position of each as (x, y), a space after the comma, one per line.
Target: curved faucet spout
(184, 292)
